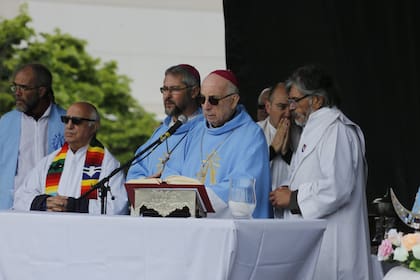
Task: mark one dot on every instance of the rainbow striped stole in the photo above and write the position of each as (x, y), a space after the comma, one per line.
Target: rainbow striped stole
(91, 170)
(93, 166)
(55, 170)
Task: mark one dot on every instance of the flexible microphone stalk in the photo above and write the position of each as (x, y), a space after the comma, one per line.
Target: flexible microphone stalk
(102, 184)
(181, 120)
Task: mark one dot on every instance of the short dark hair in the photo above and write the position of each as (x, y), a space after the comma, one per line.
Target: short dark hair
(313, 80)
(190, 77)
(42, 75)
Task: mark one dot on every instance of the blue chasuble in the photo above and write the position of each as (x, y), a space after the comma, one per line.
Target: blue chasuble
(214, 155)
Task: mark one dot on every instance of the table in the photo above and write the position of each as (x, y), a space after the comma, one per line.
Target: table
(401, 273)
(40, 245)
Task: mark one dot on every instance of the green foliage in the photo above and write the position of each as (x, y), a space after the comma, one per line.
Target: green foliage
(414, 264)
(77, 76)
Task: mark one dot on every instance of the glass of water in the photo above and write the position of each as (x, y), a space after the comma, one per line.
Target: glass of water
(242, 198)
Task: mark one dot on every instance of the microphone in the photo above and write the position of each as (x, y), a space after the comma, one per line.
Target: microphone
(181, 120)
(101, 184)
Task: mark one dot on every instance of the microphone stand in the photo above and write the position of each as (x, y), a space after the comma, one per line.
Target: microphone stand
(103, 184)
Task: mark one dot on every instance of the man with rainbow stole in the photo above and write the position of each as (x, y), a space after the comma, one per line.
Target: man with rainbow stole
(60, 180)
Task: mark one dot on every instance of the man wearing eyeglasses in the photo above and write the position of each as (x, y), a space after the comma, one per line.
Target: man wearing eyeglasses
(227, 144)
(180, 90)
(276, 129)
(328, 176)
(61, 181)
(29, 132)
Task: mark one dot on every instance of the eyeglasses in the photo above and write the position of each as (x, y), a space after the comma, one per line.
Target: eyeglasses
(173, 89)
(15, 87)
(213, 100)
(75, 120)
(294, 101)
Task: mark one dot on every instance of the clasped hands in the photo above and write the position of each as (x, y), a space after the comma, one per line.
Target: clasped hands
(57, 203)
(280, 142)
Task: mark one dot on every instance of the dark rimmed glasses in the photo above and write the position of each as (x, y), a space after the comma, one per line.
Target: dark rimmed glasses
(75, 120)
(213, 100)
(294, 101)
(16, 87)
(164, 90)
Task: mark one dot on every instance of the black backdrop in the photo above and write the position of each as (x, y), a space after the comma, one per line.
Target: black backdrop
(372, 48)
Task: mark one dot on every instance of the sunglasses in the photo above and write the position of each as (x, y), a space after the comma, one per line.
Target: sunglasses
(75, 120)
(213, 100)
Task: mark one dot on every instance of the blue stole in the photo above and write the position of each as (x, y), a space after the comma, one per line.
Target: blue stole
(10, 131)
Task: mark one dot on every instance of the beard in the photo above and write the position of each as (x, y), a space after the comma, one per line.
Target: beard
(27, 106)
(175, 111)
(301, 119)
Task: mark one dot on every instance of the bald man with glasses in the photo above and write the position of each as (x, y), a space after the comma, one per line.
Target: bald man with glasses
(226, 144)
(29, 132)
(277, 131)
(61, 182)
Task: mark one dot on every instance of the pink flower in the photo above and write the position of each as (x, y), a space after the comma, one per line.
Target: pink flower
(385, 250)
(403, 248)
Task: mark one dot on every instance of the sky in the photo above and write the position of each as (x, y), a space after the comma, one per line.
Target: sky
(144, 37)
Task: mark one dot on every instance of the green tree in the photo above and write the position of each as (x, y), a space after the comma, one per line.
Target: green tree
(76, 76)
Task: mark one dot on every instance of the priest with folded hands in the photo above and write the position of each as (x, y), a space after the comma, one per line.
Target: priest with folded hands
(61, 181)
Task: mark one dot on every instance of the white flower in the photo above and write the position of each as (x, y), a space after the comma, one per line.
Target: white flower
(400, 247)
(400, 254)
(416, 251)
(395, 237)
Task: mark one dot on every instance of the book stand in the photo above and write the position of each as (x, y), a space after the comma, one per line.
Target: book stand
(168, 200)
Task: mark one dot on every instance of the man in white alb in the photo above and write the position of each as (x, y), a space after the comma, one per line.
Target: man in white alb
(328, 175)
(61, 182)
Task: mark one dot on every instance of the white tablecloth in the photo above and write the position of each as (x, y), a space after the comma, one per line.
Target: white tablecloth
(401, 273)
(73, 246)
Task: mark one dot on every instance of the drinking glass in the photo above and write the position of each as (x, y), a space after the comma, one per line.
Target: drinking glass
(242, 198)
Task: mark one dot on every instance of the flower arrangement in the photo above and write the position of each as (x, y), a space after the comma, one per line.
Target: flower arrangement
(400, 248)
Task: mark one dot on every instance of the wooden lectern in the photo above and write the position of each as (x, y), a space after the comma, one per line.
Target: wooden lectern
(177, 196)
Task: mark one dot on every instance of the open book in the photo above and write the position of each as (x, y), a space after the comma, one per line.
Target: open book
(173, 180)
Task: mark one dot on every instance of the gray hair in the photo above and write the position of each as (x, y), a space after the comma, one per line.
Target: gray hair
(231, 88)
(312, 80)
(266, 92)
(189, 74)
(94, 115)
